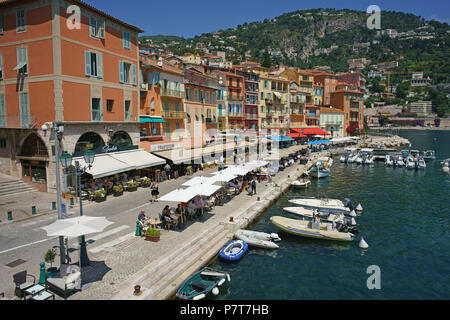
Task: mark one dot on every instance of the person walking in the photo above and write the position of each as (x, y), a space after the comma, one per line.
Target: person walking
(167, 168)
(253, 186)
(154, 191)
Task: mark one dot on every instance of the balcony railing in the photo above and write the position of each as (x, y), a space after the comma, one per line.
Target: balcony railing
(251, 117)
(235, 97)
(165, 92)
(235, 114)
(24, 121)
(97, 115)
(170, 114)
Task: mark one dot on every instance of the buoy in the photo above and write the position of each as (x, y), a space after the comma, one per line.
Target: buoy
(359, 207)
(363, 244)
(215, 291)
(353, 213)
(353, 222)
(199, 297)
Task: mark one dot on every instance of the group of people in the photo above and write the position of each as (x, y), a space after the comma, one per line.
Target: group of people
(245, 184)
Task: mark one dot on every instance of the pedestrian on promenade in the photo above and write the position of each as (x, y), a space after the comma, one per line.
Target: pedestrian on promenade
(253, 186)
(154, 191)
(167, 168)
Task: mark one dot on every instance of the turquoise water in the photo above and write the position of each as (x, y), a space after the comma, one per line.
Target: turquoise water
(405, 222)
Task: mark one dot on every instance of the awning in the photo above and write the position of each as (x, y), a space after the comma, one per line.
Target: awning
(179, 156)
(148, 119)
(319, 142)
(296, 135)
(311, 131)
(112, 163)
(139, 158)
(280, 138)
(20, 66)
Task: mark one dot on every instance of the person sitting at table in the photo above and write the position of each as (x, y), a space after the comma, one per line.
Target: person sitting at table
(191, 208)
(166, 216)
(179, 211)
(200, 204)
(141, 216)
(239, 186)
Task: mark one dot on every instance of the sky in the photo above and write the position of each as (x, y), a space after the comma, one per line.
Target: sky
(188, 18)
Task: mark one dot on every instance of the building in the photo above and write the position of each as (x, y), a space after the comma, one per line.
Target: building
(359, 63)
(355, 78)
(417, 80)
(332, 121)
(421, 108)
(85, 79)
(351, 102)
(251, 86)
(297, 100)
(274, 96)
(328, 82)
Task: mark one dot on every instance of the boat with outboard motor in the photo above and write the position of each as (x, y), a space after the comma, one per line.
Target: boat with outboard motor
(328, 205)
(301, 183)
(258, 239)
(348, 152)
(311, 229)
(446, 165)
(352, 158)
(429, 155)
(202, 283)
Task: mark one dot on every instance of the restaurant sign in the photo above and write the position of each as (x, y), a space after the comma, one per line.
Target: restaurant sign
(108, 149)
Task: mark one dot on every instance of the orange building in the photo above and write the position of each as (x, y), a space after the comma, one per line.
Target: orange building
(328, 82)
(351, 102)
(52, 70)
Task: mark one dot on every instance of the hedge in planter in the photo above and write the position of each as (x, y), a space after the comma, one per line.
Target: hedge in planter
(132, 186)
(100, 195)
(118, 191)
(152, 235)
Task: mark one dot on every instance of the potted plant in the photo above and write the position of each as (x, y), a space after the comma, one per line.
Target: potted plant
(49, 257)
(146, 182)
(100, 195)
(152, 235)
(118, 190)
(132, 186)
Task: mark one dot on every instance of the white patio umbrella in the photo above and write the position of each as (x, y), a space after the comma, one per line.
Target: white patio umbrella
(223, 177)
(179, 195)
(197, 180)
(78, 226)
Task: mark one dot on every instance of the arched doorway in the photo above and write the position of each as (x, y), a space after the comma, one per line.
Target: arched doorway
(89, 140)
(34, 159)
(121, 139)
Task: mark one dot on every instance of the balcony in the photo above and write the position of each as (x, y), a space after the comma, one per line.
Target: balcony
(211, 120)
(235, 97)
(144, 86)
(172, 93)
(235, 114)
(97, 115)
(171, 114)
(16, 122)
(251, 117)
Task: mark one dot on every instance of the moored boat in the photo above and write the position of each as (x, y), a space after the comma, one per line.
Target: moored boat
(323, 205)
(310, 229)
(234, 250)
(309, 214)
(429, 155)
(258, 239)
(301, 183)
(202, 284)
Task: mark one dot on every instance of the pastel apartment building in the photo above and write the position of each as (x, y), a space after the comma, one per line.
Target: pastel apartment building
(83, 77)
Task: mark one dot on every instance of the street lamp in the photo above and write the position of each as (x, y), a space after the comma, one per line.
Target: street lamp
(78, 170)
(55, 130)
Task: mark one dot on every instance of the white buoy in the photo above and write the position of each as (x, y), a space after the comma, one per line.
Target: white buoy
(359, 207)
(363, 244)
(353, 214)
(353, 222)
(215, 291)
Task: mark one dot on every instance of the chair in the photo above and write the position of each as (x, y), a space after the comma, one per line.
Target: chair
(69, 280)
(168, 222)
(20, 279)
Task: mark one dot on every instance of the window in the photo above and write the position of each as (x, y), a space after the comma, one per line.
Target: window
(22, 61)
(96, 110)
(2, 111)
(127, 73)
(24, 110)
(1, 24)
(1, 65)
(2, 143)
(196, 95)
(126, 40)
(155, 77)
(128, 111)
(97, 28)
(109, 105)
(166, 106)
(177, 106)
(152, 104)
(20, 21)
(93, 64)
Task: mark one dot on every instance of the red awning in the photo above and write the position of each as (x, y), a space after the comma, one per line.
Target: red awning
(296, 135)
(311, 131)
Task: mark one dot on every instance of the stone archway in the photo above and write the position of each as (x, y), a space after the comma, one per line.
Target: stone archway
(34, 159)
(121, 139)
(89, 140)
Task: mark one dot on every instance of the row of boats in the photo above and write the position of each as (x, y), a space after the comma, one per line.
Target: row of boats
(354, 155)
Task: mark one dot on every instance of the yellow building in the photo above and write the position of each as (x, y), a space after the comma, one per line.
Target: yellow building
(191, 58)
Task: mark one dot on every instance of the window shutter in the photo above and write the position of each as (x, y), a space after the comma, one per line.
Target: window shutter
(102, 29)
(93, 26)
(133, 68)
(87, 63)
(1, 66)
(1, 24)
(121, 72)
(99, 65)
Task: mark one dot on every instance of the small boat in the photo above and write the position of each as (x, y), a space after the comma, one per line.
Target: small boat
(410, 162)
(202, 283)
(319, 170)
(348, 152)
(370, 158)
(429, 155)
(234, 250)
(325, 217)
(310, 229)
(323, 205)
(446, 165)
(258, 239)
(421, 164)
(389, 161)
(302, 183)
(353, 157)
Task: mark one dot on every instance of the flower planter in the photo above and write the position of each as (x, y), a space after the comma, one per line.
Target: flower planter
(152, 238)
(100, 199)
(52, 272)
(131, 189)
(118, 193)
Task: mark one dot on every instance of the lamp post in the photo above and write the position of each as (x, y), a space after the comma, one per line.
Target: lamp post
(66, 161)
(55, 129)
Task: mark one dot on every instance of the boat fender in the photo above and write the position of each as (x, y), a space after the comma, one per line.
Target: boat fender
(353, 214)
(363, 244)
(353, 222)
(215, 291)
(221, 282)
(199, 297)
(274, 236)
(228, 278)
(359, 207)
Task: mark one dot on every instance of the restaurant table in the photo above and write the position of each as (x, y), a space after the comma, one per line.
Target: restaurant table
(43, 295)
(33, 290)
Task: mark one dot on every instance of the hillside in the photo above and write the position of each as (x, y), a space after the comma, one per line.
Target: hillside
(328, 37)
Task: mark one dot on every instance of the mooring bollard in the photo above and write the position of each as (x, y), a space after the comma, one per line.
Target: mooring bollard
(53, 205)
(33, 210)
(71, 202)
(42, 276)
(10, 215)
(138, 229)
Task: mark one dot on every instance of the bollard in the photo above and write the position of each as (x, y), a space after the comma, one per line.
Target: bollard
(10, 215)
(138, 229)
(53, 205)
(33, 210)
(42, 276)
(71, 202)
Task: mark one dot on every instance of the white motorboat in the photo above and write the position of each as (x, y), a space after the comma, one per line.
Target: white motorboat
(446, 165)
(352, 158)
(410, 162)
(258, 239)
(301, 183)
(319, 170)
(388, 161)
(429, 155)
(307, 214)
(421, 164)
(370, 157)
(323, 205)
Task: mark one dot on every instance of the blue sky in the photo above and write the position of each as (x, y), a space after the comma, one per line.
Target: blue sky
(188, 18)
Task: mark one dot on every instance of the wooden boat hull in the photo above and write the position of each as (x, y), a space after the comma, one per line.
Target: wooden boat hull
(301, 228)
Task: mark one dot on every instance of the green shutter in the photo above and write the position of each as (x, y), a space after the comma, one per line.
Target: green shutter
(99, 65)
(121, 72)
(87, 63)
(2, 111)
(133, 71)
